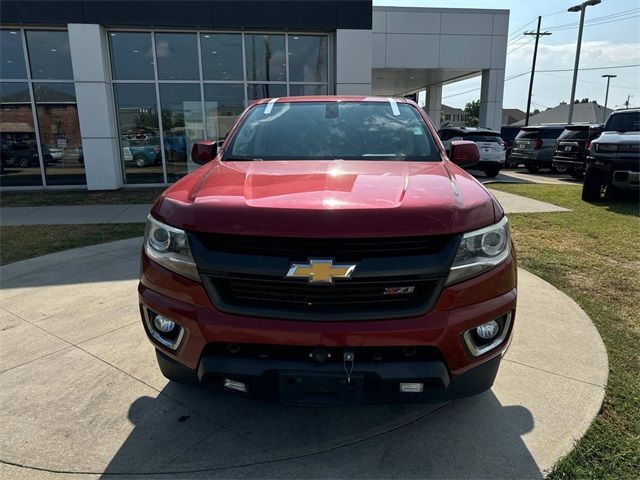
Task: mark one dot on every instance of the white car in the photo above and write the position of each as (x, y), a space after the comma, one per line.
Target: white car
(493, 150)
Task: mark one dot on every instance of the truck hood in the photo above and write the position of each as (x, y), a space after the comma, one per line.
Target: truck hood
(328, 199)
(618, 137)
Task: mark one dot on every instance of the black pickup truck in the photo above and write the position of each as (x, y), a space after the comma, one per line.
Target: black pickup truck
(614, 157)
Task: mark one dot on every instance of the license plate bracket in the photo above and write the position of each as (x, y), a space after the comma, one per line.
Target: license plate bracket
(303, 388)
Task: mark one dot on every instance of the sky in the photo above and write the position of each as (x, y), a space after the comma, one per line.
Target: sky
(611, 37)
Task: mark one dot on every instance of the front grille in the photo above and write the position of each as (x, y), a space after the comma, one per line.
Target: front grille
(247, 275)
(344, 300)
(303, 248)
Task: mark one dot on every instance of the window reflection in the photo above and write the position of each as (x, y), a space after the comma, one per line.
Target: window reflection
(19, 161)
(177, 55)
(131, 56)
(223, 104)
(221, 56)
(60, 133)
(307, 58)
(49, 55)
(257, 91)
(11, 55)
(303, 90)
(181, 109)
(266, 57)
(139, 133)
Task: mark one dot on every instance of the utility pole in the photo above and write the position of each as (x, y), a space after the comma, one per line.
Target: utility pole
(606, 97)
(537, 34)
(582, 8)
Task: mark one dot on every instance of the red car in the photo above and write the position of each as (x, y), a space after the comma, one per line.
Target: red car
(329, 252)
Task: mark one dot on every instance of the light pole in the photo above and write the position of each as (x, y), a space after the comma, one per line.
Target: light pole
(606, 97)
(578, 8)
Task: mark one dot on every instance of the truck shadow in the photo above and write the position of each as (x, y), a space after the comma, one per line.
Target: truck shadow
(203, 434)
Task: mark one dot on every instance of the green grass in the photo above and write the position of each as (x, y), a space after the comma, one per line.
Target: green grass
(21, 242)
(79, 197)
(593, 255)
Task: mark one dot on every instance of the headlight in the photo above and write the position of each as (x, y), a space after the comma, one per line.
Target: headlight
(606, 147)
(169, 247)
(481, 250)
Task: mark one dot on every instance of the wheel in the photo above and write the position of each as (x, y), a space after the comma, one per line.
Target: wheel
(141, 161)
(560, 170)
(532, 168)
(23, 162)
(592, 186)
(492, 172)
(174, 371)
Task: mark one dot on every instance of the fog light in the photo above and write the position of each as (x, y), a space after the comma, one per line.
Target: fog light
(488, 330)
(411, 387)
(163, 324)
(235, 385)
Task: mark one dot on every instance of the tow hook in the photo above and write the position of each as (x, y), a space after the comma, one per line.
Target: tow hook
(348, 361)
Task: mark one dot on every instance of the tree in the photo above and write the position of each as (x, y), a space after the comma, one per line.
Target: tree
(536, 111)
(473, 110)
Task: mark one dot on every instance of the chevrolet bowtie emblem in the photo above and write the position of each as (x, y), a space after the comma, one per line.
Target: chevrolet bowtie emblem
(320, 271)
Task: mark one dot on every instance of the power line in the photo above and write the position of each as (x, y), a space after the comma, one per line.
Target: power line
(591, 68)
(600, 84)
(595, 19)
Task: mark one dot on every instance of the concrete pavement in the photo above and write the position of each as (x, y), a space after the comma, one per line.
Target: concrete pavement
(80, 393)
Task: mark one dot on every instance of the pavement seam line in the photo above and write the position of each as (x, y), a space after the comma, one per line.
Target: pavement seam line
(117, 368)
(26, 214)
(556, 374)
(245, 465)
(35, 359)
(128, 207)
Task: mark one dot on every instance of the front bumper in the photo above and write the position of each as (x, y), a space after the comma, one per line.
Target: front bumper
(301, 383)
(453, 372)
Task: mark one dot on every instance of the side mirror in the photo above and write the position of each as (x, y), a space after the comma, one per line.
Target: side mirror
(204, 151)
(464, 153)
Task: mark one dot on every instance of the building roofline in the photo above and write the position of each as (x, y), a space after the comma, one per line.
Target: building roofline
(500, 11)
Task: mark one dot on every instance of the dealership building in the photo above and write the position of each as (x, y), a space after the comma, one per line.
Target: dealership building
(105, 95)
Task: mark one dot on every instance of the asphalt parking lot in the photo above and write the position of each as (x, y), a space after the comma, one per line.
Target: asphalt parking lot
(82, 396)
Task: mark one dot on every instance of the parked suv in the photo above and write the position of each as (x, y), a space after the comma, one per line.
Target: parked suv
(614, 157)
(572, 148)
(491, 146)
(535, 145)
(330, 252)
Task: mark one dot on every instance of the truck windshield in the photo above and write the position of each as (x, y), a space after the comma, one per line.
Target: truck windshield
(623, 122)
(332, 130)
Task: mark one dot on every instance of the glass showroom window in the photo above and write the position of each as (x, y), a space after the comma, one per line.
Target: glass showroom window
(182, 125)
(139, 133)
(201, 82)
(224, 102)
(52, 139)
(60, 133)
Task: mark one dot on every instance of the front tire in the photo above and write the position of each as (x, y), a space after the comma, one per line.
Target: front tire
(140, 160)
(492, 172)
(592, 186)
(175, 371)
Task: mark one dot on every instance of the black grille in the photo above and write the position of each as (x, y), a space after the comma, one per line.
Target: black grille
(344, 300)
(248, 275)
(303, 248)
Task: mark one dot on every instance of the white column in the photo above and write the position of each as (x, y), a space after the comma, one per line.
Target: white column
(354, 55)
(96, 111)
(434, 104)
(491, 92)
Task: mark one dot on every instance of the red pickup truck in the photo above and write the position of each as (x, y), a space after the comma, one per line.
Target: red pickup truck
(329, 252)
